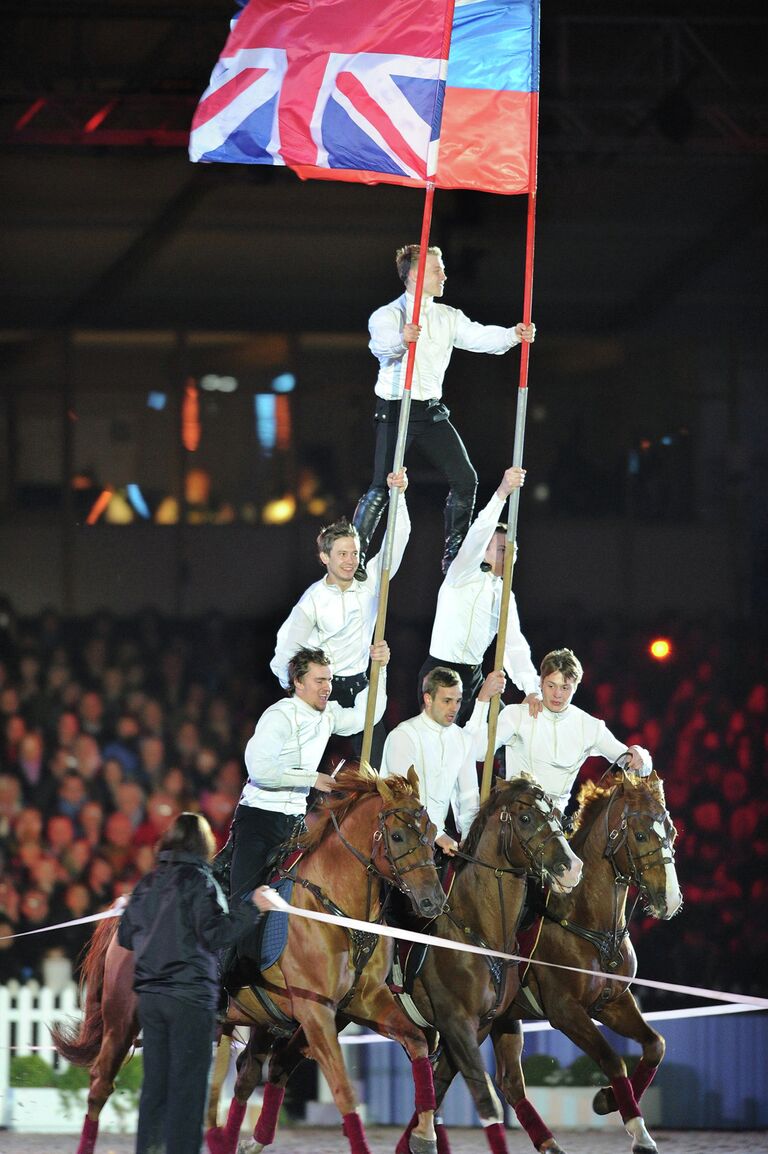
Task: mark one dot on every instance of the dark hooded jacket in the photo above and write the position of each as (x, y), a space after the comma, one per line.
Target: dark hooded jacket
(175, 922)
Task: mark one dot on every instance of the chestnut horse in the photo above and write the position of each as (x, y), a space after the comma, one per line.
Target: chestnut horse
(367, 831)
(625, 838)
(516, 835)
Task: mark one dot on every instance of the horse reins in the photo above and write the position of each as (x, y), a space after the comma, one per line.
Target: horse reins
(495, 965)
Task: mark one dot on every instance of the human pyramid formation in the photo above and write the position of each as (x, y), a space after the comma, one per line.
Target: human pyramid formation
(177, 917)
(323, 648)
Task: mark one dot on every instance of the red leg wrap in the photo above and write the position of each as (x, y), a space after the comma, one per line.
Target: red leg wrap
(443, 1145)
(402, 1146)
(353, 1128)
(625, 1099)
(532, 1122)
(223, 1139)
(234, 1119)
(264, 1131)
(497, 1139)
(642, 1077)
(88, 1136)
(425, 1085)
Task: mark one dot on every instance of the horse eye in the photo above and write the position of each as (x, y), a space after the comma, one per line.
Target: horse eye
(525, 818)
(640, 836)
(397, 837)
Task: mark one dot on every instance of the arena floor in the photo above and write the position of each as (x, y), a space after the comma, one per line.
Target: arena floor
(382, 1140)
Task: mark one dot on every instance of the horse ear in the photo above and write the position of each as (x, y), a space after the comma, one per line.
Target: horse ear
(384, 789)
(413, 781)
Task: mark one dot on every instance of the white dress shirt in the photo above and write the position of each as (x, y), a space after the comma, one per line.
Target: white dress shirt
(442, 329)
(550, 748)
(339, 621)
(468, 607)
(288, 742)
(444, 758)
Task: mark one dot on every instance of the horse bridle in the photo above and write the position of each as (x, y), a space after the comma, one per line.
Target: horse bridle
(618, 839)
(411, 819)
(535, 857)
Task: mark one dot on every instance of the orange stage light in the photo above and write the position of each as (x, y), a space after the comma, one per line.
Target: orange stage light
(190, 417)
(660, 649)
(99, 506)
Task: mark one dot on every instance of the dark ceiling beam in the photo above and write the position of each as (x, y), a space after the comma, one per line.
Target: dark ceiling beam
(741, 222)
(109, 284)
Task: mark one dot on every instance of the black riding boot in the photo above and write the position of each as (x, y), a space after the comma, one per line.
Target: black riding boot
(458, 514)
(367, 515)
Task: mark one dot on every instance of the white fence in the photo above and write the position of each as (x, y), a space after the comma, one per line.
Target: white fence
(26, 1014)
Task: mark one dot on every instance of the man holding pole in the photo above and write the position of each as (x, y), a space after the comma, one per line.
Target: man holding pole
(552, 746)
(443, 756)
(469, 603)
(338, 613)
(282, 759)
(440, 330)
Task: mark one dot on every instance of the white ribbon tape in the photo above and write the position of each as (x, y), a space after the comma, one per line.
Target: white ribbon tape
(744, 1001)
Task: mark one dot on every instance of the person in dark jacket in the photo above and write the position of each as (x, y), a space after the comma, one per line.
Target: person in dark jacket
(175, 922)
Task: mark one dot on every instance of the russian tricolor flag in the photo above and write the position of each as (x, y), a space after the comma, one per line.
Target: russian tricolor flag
(491, 96)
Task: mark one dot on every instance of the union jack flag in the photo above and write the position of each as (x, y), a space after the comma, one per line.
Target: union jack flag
(329, 84)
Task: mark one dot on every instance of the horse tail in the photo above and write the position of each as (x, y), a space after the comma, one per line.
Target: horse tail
(79, 1042)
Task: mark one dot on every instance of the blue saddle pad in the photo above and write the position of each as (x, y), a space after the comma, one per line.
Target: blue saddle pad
(275, 933)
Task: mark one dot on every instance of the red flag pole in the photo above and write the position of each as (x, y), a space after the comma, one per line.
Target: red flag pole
(517, 451)
(394, 493)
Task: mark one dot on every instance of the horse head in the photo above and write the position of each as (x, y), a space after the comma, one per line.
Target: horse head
(639, 838)
(404, 844)
(530, 835)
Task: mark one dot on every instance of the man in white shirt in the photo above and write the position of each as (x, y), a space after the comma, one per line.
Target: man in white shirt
(282, 758)
(443, 756)
(338, 613)
(440, 330)
(552, 746)
(469, 604)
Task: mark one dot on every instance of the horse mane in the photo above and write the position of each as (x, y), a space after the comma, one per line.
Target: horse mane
(593, 797)
(500, 795)
(351, 784)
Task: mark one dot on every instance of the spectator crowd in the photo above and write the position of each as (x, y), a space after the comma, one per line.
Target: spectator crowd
(111, 727)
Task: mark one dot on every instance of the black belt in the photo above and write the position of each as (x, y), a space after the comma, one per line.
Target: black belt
(353, 680)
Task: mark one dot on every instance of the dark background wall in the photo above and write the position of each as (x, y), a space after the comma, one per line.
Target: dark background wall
(128, 270)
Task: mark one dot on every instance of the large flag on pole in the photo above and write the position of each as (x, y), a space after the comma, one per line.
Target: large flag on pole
(353, 90)
(491, 97)
(330, 84)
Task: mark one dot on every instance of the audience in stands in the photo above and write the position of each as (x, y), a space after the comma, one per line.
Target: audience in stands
(109, 728)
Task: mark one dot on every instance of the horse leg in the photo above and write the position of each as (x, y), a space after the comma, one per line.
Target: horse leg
(220, 1067)
(623, 1017)
(507, 1039)
(443, 1073)
(224, 1139)
(115, 1045)
(573, 1020)
(461, 1038)
(285, 1058)
(319, 1026)
(375, 1007)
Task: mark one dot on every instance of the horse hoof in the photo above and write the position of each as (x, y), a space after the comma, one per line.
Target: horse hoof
(604, 1101)
(250, 1146)
(418, 1145)
(216, 1141)
(551, 1147)
(642, 1143)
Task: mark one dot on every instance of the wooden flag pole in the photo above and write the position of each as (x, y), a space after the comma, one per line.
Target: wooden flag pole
(394, 493)
(517, 452)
